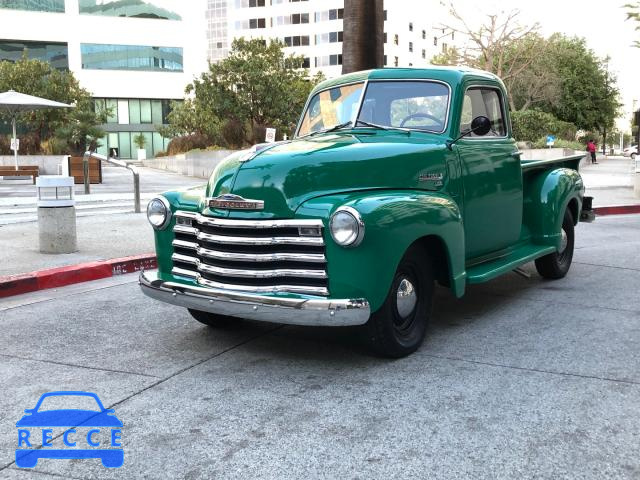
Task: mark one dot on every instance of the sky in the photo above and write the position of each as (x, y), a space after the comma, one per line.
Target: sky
(602, 23)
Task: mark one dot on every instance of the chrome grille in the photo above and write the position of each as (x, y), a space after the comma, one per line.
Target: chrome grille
(251, 255)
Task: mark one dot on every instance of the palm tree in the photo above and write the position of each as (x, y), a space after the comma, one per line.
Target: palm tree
(363, 37)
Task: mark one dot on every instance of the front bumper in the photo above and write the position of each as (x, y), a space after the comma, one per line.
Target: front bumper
(292, 311)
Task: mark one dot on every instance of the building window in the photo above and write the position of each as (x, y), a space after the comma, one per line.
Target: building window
(294, 19)
(118, 8)
(297, 41)
(424, 34)
(332, 37)
(410, 26)
(385, 37)
(335, 14)
(131, 57)
(435, 41)
(257, 23)
(385, 60)
(453, 35)
(56, 6)
(444, 48)
(219, 44)
(385, 15)
(328, 60)
(411, 46)
(395, 61)
(56, 54)
(306, 62)
(424, 53)
(396, 39)
(249, 3)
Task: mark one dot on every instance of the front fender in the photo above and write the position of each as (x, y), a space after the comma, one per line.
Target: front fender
(547, 196)
(393, 221)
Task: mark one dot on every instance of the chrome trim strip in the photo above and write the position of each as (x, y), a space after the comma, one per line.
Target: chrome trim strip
(250, 257)
(293, 311)
(228, 240)
(301, 289)
(223, 222)
(247, 273)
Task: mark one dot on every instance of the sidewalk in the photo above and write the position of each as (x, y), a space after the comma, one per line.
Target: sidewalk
(610, 181)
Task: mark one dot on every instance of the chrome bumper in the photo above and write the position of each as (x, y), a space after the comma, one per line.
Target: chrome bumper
(292, 311)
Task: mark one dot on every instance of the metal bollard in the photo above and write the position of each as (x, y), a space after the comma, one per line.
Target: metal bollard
(636, 184)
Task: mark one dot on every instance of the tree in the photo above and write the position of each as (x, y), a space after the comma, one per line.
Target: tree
(81, 129)
(34, 77)
(254, 87)
(363, 40)
(558, 75)
(588, 92)
(633, 13)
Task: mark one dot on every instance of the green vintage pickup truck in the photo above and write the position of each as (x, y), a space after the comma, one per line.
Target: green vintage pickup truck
(395, 179)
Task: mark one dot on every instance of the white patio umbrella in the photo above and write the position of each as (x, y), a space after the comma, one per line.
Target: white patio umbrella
(15, 102)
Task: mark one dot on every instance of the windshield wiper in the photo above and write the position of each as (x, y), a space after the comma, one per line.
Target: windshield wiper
(332, 129)
(382, 127)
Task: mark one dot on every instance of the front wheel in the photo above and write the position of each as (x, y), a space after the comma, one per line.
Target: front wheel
(398, 328)
(212, 319)
(556, 264)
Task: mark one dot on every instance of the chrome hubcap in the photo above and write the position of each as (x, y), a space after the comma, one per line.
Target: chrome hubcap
(406, 298)
(564, 241)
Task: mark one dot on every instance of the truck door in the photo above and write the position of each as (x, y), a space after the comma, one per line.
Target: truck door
(491, 175)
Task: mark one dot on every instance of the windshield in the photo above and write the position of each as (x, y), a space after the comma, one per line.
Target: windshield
(330, 108)
(416, 105)
(407, 104)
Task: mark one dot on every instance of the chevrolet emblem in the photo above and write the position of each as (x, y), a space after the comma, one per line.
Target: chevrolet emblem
(229, 201)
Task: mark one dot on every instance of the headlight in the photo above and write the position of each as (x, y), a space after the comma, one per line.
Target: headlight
(347, 227)
(159, 213)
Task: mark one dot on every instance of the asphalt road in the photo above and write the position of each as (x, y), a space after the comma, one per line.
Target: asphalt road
(522, 378)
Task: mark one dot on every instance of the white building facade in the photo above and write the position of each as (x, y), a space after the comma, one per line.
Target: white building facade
(314, 29)
(134, 56)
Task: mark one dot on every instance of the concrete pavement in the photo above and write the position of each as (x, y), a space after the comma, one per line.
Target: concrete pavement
(522, 378)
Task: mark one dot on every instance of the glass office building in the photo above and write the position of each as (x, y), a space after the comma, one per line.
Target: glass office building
(134, 56)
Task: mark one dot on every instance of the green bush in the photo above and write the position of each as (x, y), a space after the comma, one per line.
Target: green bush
(186, 143)
(559, 143)
(529, 125)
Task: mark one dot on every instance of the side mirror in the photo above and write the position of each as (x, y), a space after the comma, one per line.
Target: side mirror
(481, 125)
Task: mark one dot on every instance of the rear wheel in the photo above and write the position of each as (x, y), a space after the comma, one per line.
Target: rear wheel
(556, 265)
(212, 319)
(398, 328)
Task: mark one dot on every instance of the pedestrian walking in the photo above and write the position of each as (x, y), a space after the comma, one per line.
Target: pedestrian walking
(591, 148)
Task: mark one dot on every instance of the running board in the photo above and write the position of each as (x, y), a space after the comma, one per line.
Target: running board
(484, 272)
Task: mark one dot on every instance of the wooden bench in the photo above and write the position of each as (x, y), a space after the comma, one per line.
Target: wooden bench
(23, 170)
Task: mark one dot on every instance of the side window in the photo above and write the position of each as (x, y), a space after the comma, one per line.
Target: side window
(486, 102)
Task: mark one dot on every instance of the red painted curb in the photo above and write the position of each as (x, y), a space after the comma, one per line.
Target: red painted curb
(61, 276)
(617, 210)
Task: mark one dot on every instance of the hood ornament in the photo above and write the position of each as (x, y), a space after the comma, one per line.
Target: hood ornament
(229, 201)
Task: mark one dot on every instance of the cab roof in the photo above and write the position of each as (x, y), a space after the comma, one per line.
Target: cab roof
(450, 75)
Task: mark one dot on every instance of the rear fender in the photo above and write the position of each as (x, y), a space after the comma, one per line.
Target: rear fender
(394, 220)
(547, 195)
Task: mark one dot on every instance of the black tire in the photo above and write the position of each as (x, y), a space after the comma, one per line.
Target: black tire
(556, 265)
(397, 330)
(212, 319)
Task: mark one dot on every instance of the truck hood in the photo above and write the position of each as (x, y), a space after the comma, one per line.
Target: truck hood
(286, 175)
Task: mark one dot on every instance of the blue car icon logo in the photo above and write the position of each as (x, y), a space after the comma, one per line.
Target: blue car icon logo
(95, 428)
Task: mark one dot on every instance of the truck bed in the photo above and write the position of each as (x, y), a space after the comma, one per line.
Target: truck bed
(572, 161)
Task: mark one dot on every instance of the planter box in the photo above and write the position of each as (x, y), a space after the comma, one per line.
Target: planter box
(76, 170)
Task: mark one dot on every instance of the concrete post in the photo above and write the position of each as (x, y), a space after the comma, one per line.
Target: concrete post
(56, 214)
